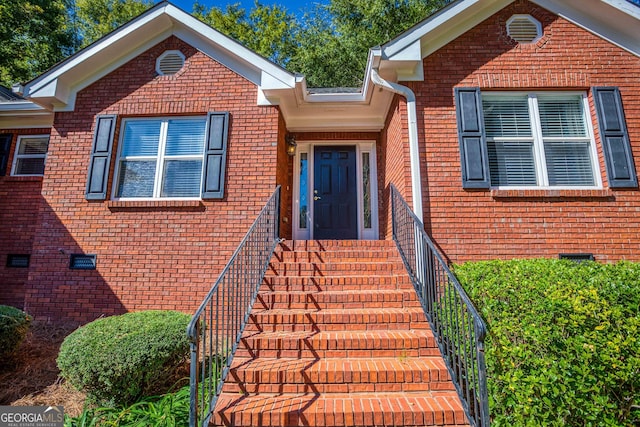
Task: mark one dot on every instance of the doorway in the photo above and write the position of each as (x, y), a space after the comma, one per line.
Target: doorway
(335, 191)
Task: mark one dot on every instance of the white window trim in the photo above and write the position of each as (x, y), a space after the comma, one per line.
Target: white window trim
(18, 156)
(538, 142)
(361, 147)
(160, 160)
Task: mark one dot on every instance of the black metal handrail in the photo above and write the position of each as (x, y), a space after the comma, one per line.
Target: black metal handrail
(217, 325)
(457, 326)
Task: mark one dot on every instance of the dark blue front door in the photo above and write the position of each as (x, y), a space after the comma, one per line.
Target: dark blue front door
(334, 193)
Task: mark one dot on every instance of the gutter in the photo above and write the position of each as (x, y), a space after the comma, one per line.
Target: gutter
(414, 152)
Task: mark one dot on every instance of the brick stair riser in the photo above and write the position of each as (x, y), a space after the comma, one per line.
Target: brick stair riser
(343, 300)
(334, 327)
(383, 255)
(230, 387)
(358, 320)
(338, 284)
(334, 245)
(334, 269)
(343, 409)
(311, 353)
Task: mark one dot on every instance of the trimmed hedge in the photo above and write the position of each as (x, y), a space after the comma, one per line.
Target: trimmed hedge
(117, 360)
(14, 325)
(564, 340)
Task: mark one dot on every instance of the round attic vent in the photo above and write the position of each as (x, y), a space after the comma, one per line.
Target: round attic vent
(524, 28)
(169, 63)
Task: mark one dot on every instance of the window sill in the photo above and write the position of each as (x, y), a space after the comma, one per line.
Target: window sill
(547, 194)
(155, 205)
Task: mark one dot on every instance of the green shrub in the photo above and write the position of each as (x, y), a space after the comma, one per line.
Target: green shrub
(117, 360)
(14, 325)
(564, 340)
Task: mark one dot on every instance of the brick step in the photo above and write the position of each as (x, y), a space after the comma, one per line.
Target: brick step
(336, 283)
(337, 299)
(334, 245)
(355, 255)
(337, 319)
(334, 268)
(351, 344)
(337, 375)
(441, 408)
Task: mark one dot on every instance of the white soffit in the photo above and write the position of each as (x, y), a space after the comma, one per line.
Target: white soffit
(57, 88)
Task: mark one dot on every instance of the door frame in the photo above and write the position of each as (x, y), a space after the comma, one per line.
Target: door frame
(362, 146)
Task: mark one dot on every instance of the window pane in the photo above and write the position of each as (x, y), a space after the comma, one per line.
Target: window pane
(136, 179)
(506, 117)
(366, 187)
(33, 146)
(511, 163)
(569, 163)
(562, 117)
(141, 138)
(304, 188)
(30, 166)
(185, 137)
(182, 178)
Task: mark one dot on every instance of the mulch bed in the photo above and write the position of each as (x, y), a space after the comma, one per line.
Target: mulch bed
(32, 377)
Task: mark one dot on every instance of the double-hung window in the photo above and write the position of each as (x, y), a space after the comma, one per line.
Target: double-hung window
(161, 158)
(539, 140)
(31, 154)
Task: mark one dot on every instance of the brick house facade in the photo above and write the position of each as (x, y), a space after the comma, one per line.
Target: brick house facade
(158, 251)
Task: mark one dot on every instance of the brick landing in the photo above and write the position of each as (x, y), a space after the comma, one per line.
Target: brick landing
(337, 337)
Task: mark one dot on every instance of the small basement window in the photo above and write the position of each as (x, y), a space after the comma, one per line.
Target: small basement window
(524, 28)
(18, 261)
(170, 62)
(82, 262)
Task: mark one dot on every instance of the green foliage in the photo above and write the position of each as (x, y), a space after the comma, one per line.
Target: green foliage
(14, 325)
(34, 35)
(117, 360)
(564, 340)
(168, 410)
(335, 41)
(270, 31)
(96, 18)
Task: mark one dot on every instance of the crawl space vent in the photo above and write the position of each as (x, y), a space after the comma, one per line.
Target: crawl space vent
(524, 28)
(170, 62)
(82, 262)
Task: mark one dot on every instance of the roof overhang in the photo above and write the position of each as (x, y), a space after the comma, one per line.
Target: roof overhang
(24, 114)
(614, 20)
(57, 88)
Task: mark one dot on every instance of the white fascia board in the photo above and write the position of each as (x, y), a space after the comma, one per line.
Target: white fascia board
(462, 13)
(616, 21)
(26, 122)
(21, 107)
(58, 86)
(214, 44)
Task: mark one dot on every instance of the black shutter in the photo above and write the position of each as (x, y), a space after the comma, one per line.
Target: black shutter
(5, 147)
(215, 155)
(621, 172)
(98, 175)
(474, 159)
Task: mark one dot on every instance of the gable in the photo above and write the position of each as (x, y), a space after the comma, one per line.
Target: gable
(615, 21)
(58, 87)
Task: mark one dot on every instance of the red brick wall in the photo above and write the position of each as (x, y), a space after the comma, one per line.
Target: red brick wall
(501, 224)
(394, 163)
(163, 255)
(19, 202)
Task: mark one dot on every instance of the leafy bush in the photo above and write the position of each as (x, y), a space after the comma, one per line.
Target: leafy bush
(14, 325)
(117, 360)
(564, 340)
(168, 410)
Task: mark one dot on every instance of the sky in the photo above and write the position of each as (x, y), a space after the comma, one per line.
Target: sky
(293, 6)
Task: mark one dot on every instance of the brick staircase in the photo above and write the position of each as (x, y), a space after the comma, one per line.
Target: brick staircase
(337, 337)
